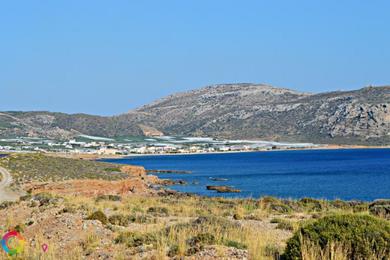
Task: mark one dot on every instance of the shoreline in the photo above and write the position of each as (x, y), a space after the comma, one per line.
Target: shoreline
(328, 147)
(91, 156)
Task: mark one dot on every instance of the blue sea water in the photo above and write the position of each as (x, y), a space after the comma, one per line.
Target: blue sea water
(350, 174)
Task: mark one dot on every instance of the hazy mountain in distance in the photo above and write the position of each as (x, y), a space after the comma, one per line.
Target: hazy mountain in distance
(234, 111)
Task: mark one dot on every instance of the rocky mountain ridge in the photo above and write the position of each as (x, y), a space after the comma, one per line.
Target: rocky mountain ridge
(234, 111)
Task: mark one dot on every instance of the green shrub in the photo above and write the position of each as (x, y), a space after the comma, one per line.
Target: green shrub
(238, 216)
(311, 204)
(20, 228)
(133, 239)
(25, 197)
(275, 205)
(173, 250)
(275, 220)
(285, 225)
(98, 215)
(158, 211)
(282, 224)
(44, 198)
(6, 204)
(121, 220)
(235, 244)
(109, 197)
(112, 169)
(363, 237)
(202, 238)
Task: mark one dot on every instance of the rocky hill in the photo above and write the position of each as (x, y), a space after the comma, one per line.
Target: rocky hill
(235, 111)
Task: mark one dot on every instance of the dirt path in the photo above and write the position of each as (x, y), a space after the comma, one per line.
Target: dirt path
(5, 193)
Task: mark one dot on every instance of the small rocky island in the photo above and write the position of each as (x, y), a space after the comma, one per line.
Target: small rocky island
(223, 189)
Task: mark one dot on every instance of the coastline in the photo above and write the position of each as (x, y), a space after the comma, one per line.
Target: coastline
(88, 156)
(325, 147)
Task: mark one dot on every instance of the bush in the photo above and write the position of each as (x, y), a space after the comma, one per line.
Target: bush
(112, 169)
(360, 236)
(98, 215)
(25, 197)
(109, 197)
(6, 204)
(275, 205)
(276, 220)
(158, 211)
(238, 216)
(173, 250)
(133, 239)
(235, 244)
(20, 228)
(311, 204)
(282, 224)
(44, 198)
(202, 238)
(67, 209)
(285, 225)
(121, 220)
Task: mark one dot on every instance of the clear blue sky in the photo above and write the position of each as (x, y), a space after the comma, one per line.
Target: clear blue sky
(106, 57)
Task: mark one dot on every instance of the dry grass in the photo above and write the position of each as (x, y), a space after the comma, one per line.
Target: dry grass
(183, 225)
(41, 168)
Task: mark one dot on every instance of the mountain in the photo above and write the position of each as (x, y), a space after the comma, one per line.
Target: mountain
(234, 111)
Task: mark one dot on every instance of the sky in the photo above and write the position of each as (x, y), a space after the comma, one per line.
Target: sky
(107, 57)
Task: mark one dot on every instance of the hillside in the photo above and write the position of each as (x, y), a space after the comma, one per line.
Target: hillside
(234, 111)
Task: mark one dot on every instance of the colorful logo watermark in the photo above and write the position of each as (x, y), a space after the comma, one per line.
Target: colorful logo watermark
(12, 243)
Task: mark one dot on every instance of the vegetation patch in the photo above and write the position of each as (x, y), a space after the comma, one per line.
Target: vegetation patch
(135, 239)
(6, 204)
(41, 168)
(350, 236)
(283, 224)
(98, 215)
(235, 244)
(44, 198)
(158, 211)
(108, 197)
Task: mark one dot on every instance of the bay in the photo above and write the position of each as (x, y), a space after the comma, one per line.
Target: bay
(348, 174)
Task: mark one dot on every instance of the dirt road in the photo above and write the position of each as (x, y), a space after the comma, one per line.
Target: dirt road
(5, 193)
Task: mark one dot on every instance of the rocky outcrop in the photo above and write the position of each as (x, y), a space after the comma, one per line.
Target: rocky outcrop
(223, 189)
(380, 208)
(150, 131)
(133, 170)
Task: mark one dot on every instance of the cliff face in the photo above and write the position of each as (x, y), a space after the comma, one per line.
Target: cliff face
(240, 111)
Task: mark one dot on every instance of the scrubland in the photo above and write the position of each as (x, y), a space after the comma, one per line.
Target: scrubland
(127, 224)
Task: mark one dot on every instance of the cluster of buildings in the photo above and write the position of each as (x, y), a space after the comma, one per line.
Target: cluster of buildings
(146, 146)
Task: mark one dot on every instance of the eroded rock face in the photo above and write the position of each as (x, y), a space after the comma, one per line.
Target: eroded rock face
(357, 119)
(133, 170)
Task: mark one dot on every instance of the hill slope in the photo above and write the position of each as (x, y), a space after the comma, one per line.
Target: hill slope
(238, 111)
(259, 111)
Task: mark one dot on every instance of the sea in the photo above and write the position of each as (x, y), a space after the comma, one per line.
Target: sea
(347, 174)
